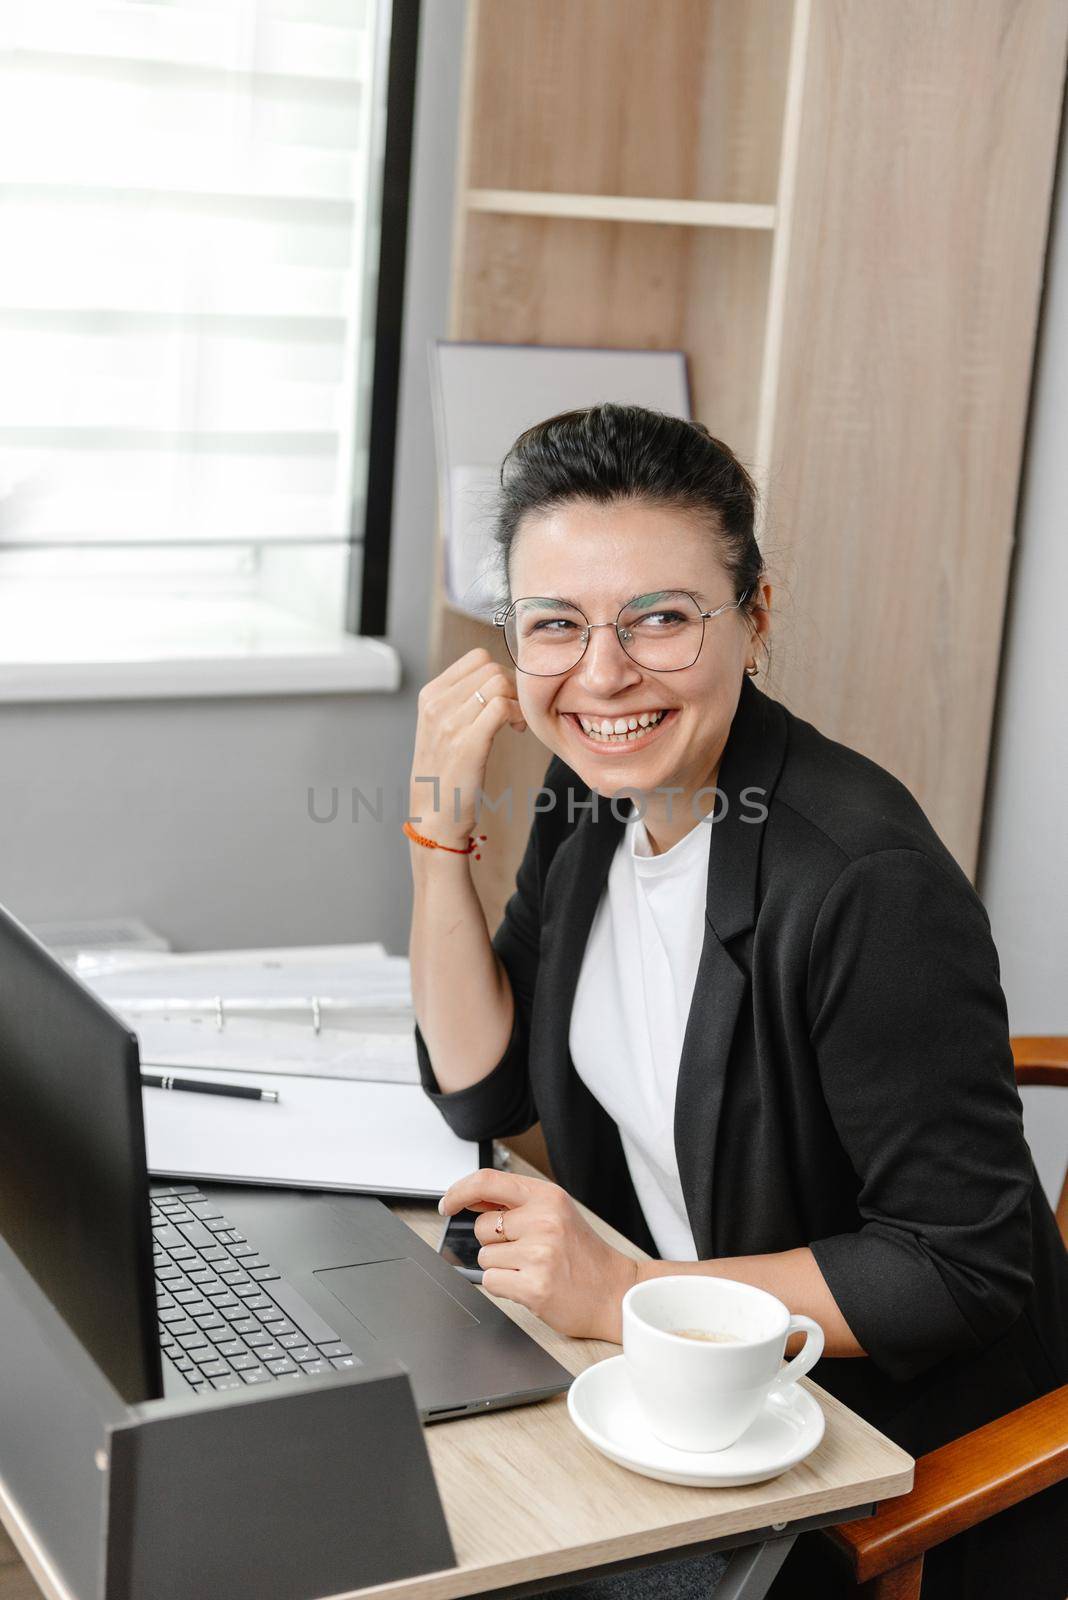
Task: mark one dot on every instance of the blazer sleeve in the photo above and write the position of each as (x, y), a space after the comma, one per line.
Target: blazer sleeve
(502, 1103)
(910, 1032)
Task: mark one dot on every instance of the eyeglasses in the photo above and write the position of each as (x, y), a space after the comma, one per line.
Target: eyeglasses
(662, 631)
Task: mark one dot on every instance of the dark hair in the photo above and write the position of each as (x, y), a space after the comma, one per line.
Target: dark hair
(614, 452)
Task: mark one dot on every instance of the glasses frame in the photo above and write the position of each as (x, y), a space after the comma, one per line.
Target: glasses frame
(500, 619)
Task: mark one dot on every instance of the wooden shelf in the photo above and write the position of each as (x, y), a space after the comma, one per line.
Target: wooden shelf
(622, 208)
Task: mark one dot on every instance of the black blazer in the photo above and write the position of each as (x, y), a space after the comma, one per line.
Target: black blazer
(846, 1080)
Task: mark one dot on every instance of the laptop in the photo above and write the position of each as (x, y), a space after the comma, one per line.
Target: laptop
(176, 1288)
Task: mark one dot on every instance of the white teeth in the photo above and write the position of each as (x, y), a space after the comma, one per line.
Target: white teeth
(622, 729)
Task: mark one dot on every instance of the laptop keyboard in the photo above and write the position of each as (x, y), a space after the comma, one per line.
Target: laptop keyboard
(226, 1316)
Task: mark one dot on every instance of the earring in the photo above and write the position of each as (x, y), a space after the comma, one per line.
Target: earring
(752, 669)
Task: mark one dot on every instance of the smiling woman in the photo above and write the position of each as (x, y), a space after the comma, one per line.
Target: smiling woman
(621, 502)
(752, 999)
(585, 688)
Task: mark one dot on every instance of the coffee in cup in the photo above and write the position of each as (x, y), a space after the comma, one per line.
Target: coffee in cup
(704, 1353)
(709, 1336)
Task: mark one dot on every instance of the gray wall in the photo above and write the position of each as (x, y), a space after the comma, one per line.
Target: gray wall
(1023, 876)
(194, 814)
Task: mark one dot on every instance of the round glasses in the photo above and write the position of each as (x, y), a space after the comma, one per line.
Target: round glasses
(662, 631)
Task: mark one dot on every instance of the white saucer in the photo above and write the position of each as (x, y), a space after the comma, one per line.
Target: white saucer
(603, 1408)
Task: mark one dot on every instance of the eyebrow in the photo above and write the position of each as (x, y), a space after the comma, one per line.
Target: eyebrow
(657, 594)
(648, 598)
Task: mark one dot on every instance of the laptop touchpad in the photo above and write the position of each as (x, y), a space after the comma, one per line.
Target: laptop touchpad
(397, 1297)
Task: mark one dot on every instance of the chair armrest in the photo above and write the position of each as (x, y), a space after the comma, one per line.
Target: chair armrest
(960, 1484)
(1041, 1058)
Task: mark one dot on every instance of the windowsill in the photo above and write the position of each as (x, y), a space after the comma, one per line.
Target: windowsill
(147, 650)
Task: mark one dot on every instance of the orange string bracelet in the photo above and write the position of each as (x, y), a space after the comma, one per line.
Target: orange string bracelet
(432, 844)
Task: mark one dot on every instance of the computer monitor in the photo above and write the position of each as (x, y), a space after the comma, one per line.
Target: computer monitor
(73, 1179)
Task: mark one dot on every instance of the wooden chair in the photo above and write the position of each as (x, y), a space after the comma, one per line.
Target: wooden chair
(986, 1471)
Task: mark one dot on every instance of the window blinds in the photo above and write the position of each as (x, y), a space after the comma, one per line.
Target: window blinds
(189, 225)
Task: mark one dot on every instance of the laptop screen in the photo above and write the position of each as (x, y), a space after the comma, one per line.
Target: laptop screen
(73, 1181)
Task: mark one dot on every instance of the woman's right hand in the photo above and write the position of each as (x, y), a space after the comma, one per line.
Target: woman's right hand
(453, 738)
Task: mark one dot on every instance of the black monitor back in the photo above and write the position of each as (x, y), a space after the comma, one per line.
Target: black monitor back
(73, 1180)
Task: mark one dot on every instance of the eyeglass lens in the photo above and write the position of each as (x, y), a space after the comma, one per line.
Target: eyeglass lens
(546, 636)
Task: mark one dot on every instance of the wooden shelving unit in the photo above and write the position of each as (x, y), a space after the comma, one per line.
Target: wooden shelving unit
(838, 209)
(621, 208)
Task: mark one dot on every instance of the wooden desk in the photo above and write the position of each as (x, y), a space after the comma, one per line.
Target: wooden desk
(529, 1502)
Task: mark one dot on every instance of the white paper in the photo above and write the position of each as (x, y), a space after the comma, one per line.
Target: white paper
(251, 1045)
(267, 976)
(471, 561)
(89, 962)
(484, 395)
(375, 1138)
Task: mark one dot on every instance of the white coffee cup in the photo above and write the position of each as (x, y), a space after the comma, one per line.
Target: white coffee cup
(699, 1394)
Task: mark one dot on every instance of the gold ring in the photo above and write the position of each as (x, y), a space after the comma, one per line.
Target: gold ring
(499, 1228)
(480, 696)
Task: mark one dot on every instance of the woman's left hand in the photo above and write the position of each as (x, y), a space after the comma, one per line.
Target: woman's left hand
(548, 1257)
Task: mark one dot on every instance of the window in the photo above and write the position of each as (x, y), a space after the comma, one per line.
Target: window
(191, 214)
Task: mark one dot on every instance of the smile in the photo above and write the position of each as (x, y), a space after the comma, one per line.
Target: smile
(619, 733)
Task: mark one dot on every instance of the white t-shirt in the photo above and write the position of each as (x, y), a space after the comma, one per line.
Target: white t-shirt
(631, 1004)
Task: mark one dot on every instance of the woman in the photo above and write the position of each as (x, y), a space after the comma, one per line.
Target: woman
(753, 1001)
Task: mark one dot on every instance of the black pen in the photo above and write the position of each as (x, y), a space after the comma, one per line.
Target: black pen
(236, 1091)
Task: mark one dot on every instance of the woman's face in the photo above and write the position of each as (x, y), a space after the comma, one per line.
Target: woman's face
(600, 557)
